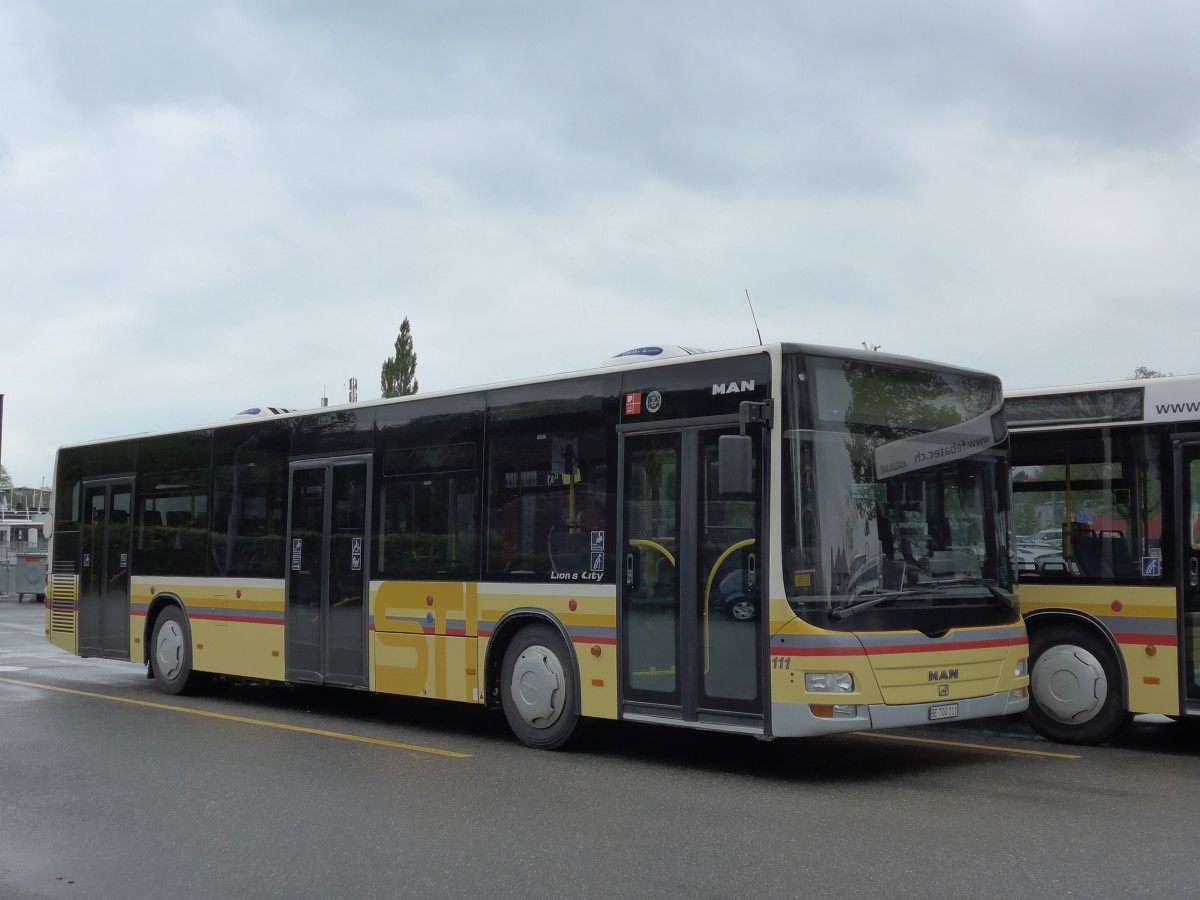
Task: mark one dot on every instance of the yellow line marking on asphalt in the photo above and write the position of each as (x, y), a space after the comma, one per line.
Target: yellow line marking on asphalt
(920, 740)
(244, 720)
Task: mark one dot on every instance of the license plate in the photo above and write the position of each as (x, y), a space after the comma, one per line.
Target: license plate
(945, 711)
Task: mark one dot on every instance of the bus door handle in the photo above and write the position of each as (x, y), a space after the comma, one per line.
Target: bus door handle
(751, 569)
(1194, 572)
(630, 570)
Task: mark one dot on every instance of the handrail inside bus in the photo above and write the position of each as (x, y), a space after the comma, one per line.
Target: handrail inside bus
(712, 575)
(643, 542)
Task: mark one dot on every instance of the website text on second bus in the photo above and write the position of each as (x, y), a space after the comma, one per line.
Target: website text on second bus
(1106, 496)
(777, 541)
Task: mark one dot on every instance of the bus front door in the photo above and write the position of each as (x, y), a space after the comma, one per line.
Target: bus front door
(1189, 554)
(104, 569)
(327, 578)
(691, 584)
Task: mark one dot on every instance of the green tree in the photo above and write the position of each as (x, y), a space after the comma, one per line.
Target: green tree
(1143, 372)
(397, 378)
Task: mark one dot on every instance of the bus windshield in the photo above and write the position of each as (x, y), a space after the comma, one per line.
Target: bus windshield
(895, 501)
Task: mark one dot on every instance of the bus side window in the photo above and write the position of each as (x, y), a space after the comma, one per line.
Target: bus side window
(547, 497)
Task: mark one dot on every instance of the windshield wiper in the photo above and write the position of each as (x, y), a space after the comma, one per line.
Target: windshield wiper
(850, 609)
(994, 592)
(923, 588)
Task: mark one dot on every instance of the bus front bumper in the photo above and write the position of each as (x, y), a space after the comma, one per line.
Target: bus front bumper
(804, 720)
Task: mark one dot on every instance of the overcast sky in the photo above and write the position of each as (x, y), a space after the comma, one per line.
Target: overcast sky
(206, 206)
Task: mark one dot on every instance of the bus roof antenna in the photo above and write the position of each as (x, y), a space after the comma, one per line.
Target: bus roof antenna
(753, 316)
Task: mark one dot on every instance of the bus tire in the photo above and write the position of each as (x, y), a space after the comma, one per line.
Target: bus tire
(1075, 682)
(538, 689)
(171, 652)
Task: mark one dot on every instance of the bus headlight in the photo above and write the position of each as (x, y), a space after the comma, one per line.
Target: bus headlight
(828, 682)
(1022, 668)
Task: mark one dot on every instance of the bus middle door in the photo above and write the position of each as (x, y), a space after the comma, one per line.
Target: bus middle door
(691, 582)
(327, 577)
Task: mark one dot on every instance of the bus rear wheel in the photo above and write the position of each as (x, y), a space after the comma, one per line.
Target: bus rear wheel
(171, 652)
(538, 689)
(1075, 681)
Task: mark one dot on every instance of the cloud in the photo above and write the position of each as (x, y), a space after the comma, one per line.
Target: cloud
(212, 206)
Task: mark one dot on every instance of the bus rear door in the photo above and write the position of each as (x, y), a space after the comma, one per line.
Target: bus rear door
(106, 546)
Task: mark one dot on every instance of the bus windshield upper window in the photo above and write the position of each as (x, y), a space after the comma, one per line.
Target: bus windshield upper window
(910, 528)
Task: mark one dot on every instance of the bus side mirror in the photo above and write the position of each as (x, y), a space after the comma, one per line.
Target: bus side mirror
(735, 464)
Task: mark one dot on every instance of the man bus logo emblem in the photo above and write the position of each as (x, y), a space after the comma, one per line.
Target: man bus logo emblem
(733, 387)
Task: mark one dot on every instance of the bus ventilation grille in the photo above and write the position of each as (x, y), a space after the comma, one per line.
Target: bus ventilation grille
(61, 597)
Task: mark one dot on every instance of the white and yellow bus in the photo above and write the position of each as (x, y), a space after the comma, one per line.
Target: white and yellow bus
(777, 541)
(1106, 497)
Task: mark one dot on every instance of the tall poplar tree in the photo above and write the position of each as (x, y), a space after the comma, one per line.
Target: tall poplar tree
(397, 378)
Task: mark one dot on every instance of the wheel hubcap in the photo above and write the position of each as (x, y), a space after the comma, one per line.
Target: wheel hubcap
(168, 650)
(743, 609)
(538, 687)
(1069, 684)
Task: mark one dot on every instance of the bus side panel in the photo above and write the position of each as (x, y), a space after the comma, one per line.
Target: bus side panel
(1142, 620)
(420, 665)
(236, 625)
(587, 612)
(423, 639)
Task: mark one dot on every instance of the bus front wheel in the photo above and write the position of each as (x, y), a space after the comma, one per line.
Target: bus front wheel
(1076, 686)
(538, 689)
(171, 652)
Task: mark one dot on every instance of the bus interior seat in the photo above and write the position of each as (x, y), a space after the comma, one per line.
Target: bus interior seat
(1103, 554)
(1085, 549)
(1115, 553)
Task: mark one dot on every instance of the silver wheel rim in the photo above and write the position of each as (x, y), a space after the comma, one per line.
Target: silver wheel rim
(1069, 684)
(743, 610)
(168, 650)
(539, 687)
